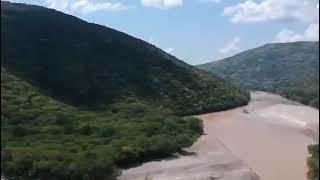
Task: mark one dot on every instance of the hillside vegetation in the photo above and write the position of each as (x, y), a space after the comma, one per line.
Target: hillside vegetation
(80, 100)
(313, 162)
(42, 137)
(290, 69)
(92, 66)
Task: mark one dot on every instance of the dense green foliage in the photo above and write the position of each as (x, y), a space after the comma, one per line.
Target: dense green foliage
(290, 69)
(42, 137)
(313, 162)
(79, 100)
(92, 66)
(306, 92)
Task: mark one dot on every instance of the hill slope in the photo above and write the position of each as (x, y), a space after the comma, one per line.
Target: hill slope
(291, 69)
(45, 138)
(79, 99)
(92, 66)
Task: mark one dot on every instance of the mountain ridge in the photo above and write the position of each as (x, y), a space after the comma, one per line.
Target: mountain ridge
(264, 45)
(80, 100)
(141, 66)
(290, 69)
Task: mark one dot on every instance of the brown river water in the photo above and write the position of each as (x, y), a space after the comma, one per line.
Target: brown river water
(265, 140)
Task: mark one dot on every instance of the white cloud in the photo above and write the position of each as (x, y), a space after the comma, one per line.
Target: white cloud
(310, 34)
(232, 47)
(60, 5)
(250, 11)
(84, 6)
(163, 4)
(169, 50)
(150, 40)
(210, 1)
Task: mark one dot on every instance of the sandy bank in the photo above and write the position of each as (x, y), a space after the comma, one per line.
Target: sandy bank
(268, 137)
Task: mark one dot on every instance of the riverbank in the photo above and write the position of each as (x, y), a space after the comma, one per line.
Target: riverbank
(268, 137)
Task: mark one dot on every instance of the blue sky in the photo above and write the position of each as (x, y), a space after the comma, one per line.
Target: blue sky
(199, 31)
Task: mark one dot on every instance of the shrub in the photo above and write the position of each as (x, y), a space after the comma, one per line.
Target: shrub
(313, 162)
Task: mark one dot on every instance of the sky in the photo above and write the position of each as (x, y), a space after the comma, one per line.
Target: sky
(200, 31)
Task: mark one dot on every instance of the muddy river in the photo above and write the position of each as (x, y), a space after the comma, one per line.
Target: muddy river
(266, 140)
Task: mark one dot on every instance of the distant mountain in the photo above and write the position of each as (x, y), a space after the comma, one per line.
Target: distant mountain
(79, 100)
(291, 69)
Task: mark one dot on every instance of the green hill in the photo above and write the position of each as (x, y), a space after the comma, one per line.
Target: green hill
(290, 69)
(89, 65)
(78, 100)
